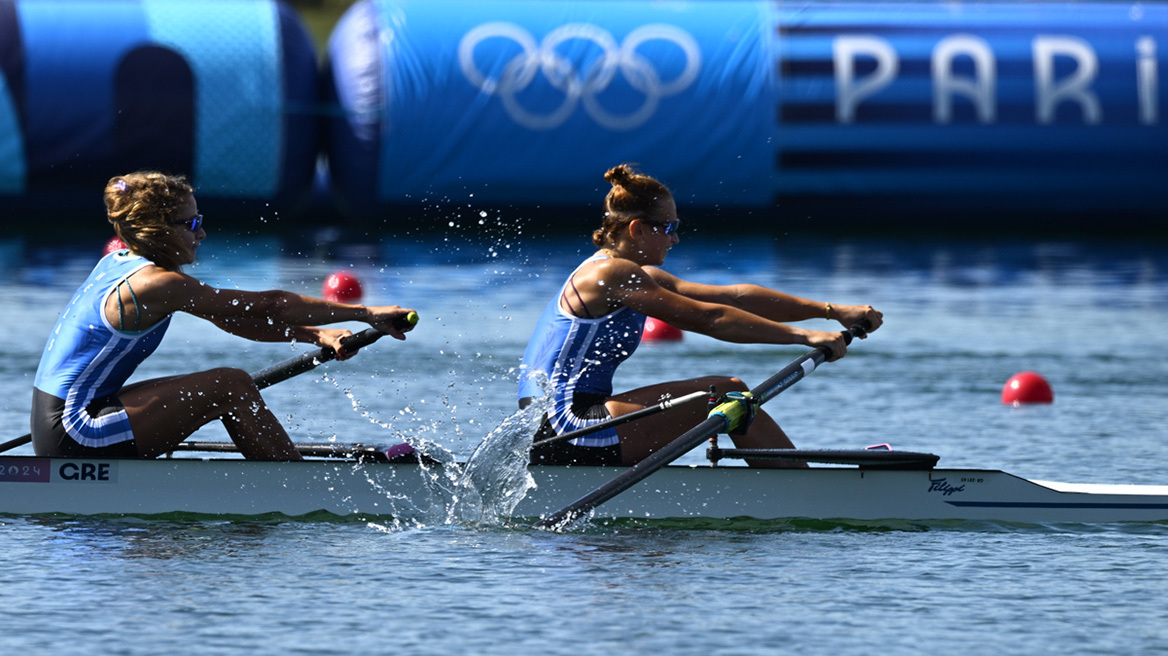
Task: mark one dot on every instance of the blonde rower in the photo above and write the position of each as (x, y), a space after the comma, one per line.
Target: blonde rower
(82, 406)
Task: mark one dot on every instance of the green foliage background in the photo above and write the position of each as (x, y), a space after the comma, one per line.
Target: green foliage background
(320, 16)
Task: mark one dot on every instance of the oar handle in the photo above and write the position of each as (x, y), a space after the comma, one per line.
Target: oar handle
(859, 329)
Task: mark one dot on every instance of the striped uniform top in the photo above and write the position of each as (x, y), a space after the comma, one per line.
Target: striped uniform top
(86, 358)
(578, 356)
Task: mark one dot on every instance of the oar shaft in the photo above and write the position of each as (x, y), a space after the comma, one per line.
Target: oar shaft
(636, 473)
(769, 389)
(623, 419)
(12, 444)
(309, 361)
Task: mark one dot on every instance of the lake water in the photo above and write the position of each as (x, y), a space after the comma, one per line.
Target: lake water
(961, 318)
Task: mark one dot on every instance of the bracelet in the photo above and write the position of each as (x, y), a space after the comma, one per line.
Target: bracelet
(827, 308)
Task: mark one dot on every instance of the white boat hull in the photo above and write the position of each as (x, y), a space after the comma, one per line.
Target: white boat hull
(234, 487)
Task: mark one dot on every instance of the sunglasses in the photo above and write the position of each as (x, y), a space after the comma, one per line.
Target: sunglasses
(670, 226)
(193, 224)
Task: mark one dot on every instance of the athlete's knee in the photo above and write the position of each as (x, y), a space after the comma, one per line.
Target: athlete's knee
(721, 384)
(732, 384)
(232, 381)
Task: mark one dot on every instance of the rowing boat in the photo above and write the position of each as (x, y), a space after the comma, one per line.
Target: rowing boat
(361, 481)
(872, 488)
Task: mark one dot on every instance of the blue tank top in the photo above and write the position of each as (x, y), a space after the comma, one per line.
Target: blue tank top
(578, 356)
(86, 358)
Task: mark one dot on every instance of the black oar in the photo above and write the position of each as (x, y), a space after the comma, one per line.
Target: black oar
(12, 444)
(291, 367)
(713, 425)
(623, 419)
(309, 361)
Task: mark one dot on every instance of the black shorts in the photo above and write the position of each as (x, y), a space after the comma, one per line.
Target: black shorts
(49, 439)
(564, 452)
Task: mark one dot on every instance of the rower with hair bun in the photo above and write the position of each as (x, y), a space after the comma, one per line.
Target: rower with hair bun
(595, 323)
(82, 406)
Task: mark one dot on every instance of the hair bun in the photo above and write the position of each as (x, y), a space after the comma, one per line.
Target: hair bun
(619, 175)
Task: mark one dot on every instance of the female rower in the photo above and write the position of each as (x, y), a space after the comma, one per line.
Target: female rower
(595, 323)
(116, 319)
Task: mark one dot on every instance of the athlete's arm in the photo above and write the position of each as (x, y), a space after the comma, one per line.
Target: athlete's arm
(634, 287)
(768, 303)
(245, 313)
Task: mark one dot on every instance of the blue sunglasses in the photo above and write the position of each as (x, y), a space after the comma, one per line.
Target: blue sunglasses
(194, 224)
(670, 226)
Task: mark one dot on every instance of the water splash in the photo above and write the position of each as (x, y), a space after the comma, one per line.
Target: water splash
(495, 479)
(482, 491)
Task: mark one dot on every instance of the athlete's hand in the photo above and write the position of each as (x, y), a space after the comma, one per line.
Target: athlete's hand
(832, 342)
(391, 320)
(331, 338)
(850, 315)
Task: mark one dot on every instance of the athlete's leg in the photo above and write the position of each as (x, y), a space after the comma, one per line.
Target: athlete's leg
(644, 436)
(165, 411)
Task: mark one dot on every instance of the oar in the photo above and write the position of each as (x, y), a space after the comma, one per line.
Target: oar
(309, 361)
(623, 419)
(12, 444)
(291, 367)
(713, 425)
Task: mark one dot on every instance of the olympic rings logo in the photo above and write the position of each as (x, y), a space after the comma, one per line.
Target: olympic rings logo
(579, 87)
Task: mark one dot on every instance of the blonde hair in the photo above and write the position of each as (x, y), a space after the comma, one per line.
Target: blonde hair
(142, 207)
(633, 196)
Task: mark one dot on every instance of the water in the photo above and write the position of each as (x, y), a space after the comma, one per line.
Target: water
(961, 318)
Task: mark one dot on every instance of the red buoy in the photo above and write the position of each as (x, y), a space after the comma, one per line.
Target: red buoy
(112, 246)
(342, 287)
(659, 331)
(1027, 387)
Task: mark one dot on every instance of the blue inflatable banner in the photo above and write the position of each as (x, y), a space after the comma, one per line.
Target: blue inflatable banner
(1051, 107)
(529, 102)
(92, 89)
(915, 111)
(836, 107)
